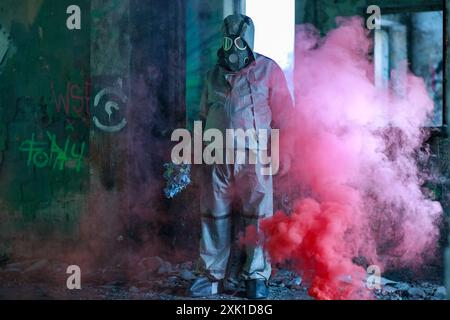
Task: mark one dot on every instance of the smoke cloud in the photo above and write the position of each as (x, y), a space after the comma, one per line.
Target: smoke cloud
(357, 149)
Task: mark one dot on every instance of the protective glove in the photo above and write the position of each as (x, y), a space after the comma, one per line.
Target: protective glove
(177, 176)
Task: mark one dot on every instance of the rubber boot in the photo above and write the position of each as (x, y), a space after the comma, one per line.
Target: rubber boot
(203, 287)
(256, 289)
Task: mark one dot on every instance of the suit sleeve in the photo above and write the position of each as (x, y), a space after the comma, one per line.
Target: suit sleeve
(282, 106)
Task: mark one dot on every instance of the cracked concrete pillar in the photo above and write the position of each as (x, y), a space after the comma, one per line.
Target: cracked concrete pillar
(426, 56)
(381, 58)
(398, 57)
(110, 83)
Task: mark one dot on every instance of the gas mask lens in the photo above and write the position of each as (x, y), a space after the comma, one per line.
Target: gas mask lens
(227, 43)
(238, 42)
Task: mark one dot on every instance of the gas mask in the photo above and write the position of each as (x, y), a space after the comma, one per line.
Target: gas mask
(236, 53)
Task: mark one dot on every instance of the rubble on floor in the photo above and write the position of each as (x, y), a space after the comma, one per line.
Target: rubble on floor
(156, 278)
(392, 290)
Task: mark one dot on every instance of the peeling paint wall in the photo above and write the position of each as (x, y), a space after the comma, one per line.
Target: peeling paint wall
(85, 116)
(203, 39)
(44, 168)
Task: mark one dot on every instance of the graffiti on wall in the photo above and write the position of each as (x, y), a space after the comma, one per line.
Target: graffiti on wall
(109, 105)
(76, 98)
(108, 102)
(48, 153)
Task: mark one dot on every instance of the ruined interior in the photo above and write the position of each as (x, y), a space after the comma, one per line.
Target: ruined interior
(86, 118)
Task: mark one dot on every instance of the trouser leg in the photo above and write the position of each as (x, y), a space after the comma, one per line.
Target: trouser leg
(215, 242)
(257, 264)
(215, 246)
(257, 196)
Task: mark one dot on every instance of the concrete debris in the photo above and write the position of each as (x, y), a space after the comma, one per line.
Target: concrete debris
(151, 264)
(187, 275)
(295, 283)
(156, 265)
(417, 293)
(384, 281)
(440, 292)
(165, 267)
(389, 289)
(392, 290)
(402, 286)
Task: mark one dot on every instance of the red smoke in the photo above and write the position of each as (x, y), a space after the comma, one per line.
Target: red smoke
(355, 151)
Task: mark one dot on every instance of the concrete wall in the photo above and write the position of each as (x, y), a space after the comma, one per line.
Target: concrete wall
(203, 39)
(43, 146)
(73, 175)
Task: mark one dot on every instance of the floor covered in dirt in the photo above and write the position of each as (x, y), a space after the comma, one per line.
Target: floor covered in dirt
(156, 279)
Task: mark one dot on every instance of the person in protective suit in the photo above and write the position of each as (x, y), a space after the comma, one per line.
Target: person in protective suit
(244, 90)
